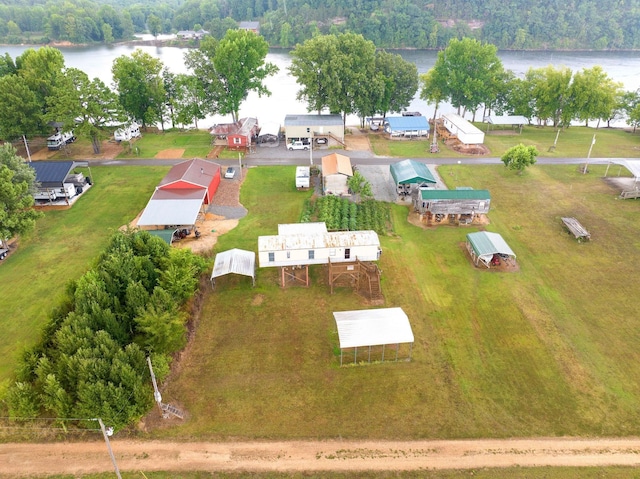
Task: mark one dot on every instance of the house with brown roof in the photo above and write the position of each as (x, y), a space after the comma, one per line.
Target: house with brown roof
(336, 171)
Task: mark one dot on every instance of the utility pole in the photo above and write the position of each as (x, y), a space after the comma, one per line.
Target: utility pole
(156, 393)
(586, 166)
(26, 145)
(106, 432)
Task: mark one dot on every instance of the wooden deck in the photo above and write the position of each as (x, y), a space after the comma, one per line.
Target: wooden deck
(576, 229)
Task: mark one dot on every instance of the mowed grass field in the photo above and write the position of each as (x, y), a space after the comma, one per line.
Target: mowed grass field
(61, 249)
(573, 142)
(551, 349)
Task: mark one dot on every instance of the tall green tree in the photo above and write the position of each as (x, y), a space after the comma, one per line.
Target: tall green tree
(140, 87)
(234, 67)
(17, 183)
(551, 91)
(400, 79)
(190, 101)
(21, 112)
(594, 94)
(468, 73)
(334, 72)
(87, 106)
(155, 24)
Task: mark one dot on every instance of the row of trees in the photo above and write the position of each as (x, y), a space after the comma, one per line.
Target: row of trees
(388, 23)
(37, 89)
(469, 75)
(91, 361)
(346, 74)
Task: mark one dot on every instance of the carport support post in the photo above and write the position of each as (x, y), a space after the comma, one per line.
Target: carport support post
(240, 163)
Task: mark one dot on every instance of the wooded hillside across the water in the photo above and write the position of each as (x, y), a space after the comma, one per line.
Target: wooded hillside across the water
(519, 24)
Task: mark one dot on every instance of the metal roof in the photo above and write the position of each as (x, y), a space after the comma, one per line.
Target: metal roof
(507, 120)
(237, 261)
(302, 228)
(178, 207)
(270, 128)
(336, 163)
(427, 194)
(337, 239)
(462, 124)
(373, 327)
(407, 123)
(410, 171)
(485, 244)
(52, 171)
(197, 172)
(313, 120)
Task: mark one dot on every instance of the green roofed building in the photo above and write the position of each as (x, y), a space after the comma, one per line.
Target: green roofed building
(452, 202)
(489, 249)
(407, 173)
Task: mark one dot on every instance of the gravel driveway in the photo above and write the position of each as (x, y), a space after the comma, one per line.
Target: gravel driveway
(382, 185)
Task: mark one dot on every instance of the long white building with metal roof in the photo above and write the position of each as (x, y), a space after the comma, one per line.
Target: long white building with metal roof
(303, 245)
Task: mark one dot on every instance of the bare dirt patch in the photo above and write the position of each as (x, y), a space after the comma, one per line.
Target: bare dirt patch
(20, 460)
(357, 141)
(170, 154)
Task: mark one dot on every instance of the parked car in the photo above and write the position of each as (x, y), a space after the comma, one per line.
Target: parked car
(321, 141)
(230, 173)
(298, 145)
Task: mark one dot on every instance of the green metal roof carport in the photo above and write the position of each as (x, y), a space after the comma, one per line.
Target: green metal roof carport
(484, 244)
(409, 171)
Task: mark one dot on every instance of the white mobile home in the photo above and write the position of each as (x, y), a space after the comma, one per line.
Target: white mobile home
(318, 248)
(464, 130)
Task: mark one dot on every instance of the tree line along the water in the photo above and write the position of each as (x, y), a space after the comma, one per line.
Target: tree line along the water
(548, 24)
(36, 89)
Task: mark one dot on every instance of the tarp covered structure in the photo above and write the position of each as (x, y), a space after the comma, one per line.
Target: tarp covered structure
(373, 327)
(236, 261)
(484, 244)
(411, 172)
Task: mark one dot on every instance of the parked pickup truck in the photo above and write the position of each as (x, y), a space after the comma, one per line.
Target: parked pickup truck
(298, 145)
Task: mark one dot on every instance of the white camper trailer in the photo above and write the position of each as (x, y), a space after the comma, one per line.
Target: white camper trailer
(303, 176)
(61, 138)
(127, 132)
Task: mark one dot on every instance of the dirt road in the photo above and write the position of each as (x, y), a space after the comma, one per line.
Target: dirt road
(18, 460)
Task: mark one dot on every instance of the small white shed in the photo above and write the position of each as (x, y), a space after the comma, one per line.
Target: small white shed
(463, 129)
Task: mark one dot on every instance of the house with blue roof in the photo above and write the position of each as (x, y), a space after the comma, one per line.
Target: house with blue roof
(406, 126)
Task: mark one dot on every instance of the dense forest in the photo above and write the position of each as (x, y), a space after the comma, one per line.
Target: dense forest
(519, 24)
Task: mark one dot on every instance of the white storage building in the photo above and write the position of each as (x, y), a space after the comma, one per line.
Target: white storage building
(463, 129)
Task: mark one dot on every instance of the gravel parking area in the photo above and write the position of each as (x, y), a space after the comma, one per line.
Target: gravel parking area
(382, 185)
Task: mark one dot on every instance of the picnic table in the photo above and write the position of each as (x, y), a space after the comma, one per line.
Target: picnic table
(576, 229)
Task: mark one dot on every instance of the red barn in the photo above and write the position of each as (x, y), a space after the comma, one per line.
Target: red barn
(193, 175)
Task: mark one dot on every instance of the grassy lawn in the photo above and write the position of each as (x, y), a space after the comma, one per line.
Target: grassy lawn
(196, 144)
(548, 350)
(61, 249)
(573, 142)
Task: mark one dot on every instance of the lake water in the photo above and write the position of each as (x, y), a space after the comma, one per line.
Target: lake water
(96, 61)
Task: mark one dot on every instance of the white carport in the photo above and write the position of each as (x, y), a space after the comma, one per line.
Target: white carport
(632, 165)
(236, 261)
(503, 120)
(176, 207)
(373, 327)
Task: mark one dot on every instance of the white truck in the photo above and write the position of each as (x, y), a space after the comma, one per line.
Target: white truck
(61, 138)
(298, 145)
(303, 176)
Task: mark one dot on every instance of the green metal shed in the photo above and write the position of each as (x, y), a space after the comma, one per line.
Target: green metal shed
(482, 245)
(409, 172)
